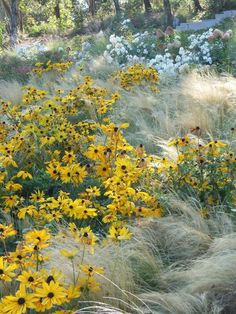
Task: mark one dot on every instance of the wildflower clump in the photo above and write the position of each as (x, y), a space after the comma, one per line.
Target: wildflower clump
(138, 75)
(62, 171)
(67, 171)
(60, 67)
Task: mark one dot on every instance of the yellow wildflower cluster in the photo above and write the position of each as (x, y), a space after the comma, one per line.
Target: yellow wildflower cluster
(66, 167)
(203, 170)
(36, 287)
(139, 75)
(41, 68)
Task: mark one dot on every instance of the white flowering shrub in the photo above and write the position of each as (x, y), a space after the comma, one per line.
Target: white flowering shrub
(173, 58)
(81, 56)
(170, 53)
(125, 25)
(28, 52)
(118, 50)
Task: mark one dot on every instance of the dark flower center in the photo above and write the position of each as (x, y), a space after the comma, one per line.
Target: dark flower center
(50, 295)
(21, 301)
(49, 279)
(1, 271)
(30, 279)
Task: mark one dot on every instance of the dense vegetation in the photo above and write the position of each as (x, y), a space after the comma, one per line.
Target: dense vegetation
(117, 158)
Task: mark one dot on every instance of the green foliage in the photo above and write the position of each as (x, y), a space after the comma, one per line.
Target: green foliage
(220, 5)
(77, 43)
(228, 62)
(41, 29)
(42, 16)
(2, 28)
(98, 45)
(104, 8)
(13, 68)
(133, 6)
(78, 17)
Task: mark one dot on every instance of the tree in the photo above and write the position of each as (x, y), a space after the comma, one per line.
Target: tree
(57, 10)
(11, 10)
(197, 6)
(13, 23)
(92, 7)
(117, 6)
(5, 5)
(147, 6)
(168, 14)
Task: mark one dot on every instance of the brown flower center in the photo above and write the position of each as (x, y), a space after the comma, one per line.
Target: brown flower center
(21, 301)
(50, 295)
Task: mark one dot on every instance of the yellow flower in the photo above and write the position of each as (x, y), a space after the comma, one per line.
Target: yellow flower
(89, 283)
(11, 200)
(38, 238)
(69, 157)
(18, 304)
(30, 210)
(47, 140)
(8, 161)
(30, 279)
(123, 167)
(37, 197)
(216, 143)
(7, 271)
(84, 213)
(2, 175)
(96, 152)
(204, 213)
(51, 294)
(73, 173)
(52, 275)
(54, 169)
(86, 236)
(142, 211)
(53, 215)
(69, 254)
(6, 231)
(11, 186)
(109, 218)
(91, 270)
(103, 170)
(93, 191)
(119, 233)
(24, 175)
(73, 292)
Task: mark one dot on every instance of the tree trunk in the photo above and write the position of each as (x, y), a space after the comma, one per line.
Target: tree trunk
(197, 6)
(57, 10)
(147, 6)
(14, 22)
(168, 14)
(6, 7)
(117, 6)
(92, 7)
